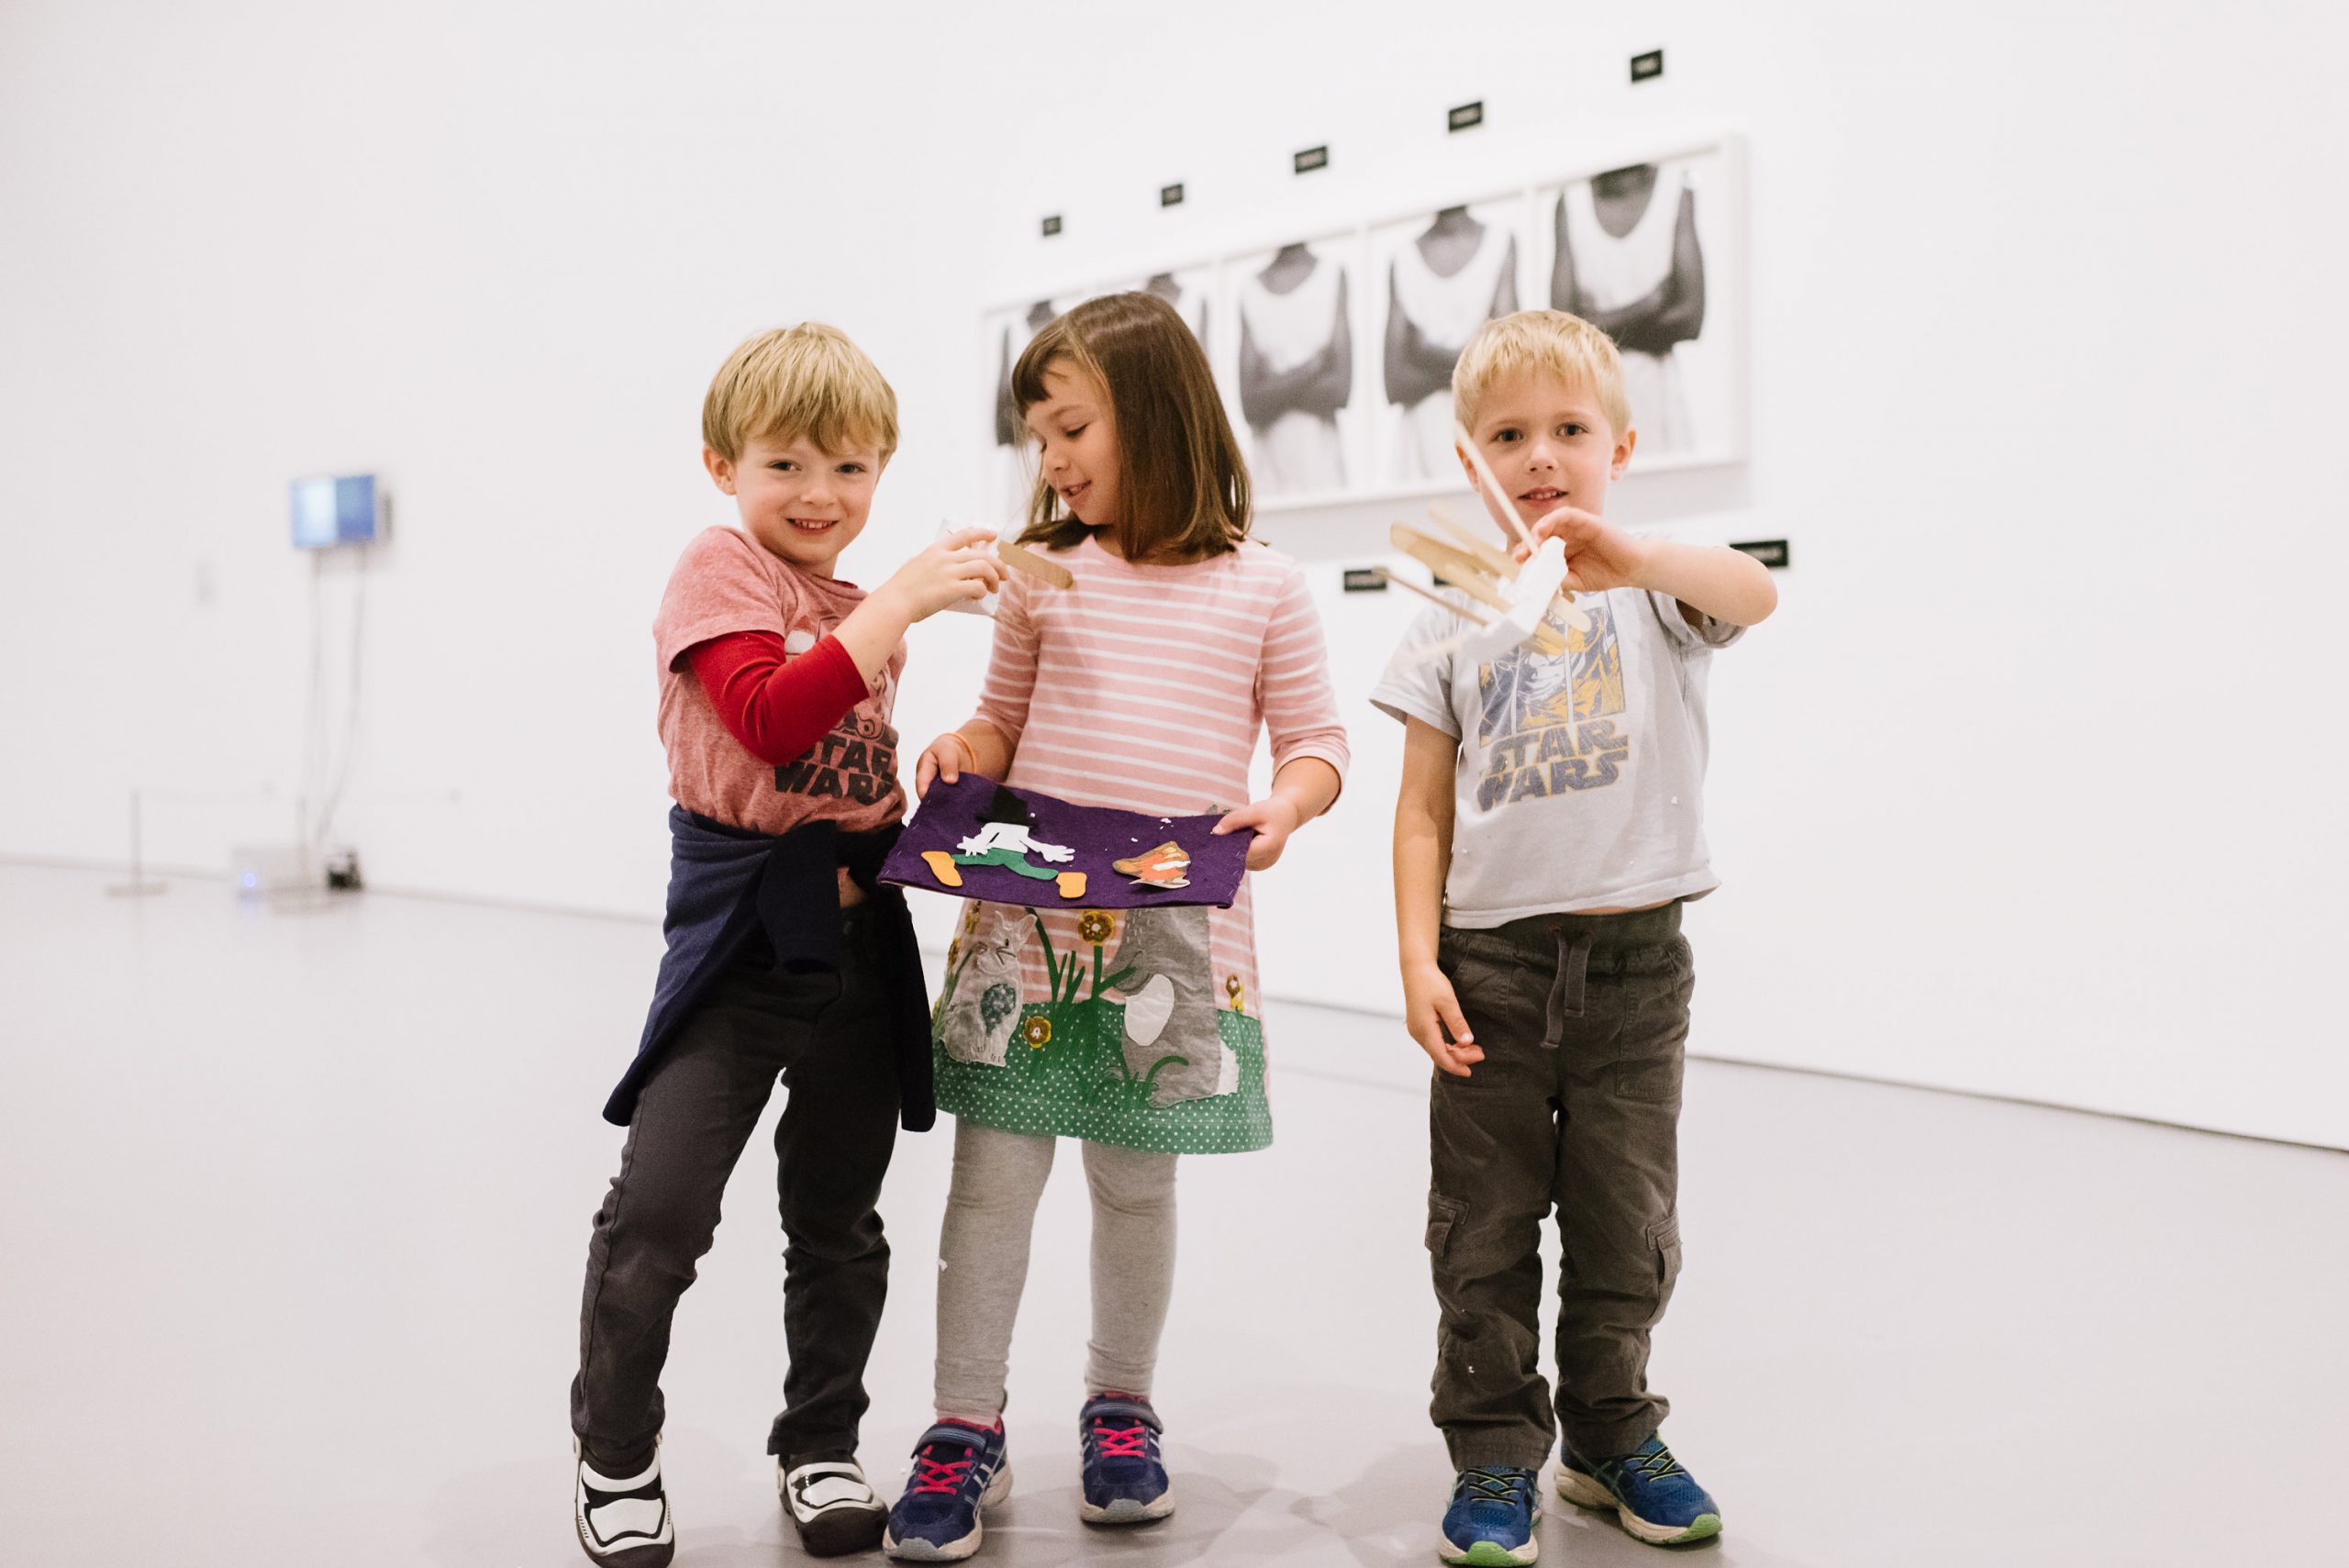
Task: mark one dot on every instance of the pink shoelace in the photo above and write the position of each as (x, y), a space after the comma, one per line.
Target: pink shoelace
(1121, 1443)
(941, 1475)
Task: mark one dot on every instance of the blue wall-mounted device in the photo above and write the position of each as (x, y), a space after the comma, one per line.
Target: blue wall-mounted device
(328, 511)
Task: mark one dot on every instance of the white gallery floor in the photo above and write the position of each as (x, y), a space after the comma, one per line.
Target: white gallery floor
(297, 1201)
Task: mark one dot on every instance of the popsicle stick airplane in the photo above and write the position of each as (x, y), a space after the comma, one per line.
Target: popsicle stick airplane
(1520, 594)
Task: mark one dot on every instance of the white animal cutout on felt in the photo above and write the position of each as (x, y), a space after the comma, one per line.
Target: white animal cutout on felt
(1013, 836)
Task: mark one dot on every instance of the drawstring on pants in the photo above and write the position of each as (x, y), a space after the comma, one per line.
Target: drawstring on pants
(1567, 990)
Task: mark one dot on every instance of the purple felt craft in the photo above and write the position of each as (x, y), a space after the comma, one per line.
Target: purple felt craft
(953, 815)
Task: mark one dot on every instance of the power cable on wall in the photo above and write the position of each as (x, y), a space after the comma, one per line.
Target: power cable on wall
(327, 768)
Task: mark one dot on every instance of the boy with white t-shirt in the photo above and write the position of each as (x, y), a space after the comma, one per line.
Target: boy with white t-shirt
(1548, 828)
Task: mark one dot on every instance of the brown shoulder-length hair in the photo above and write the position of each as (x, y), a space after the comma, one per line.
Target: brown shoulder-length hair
(1182, 483)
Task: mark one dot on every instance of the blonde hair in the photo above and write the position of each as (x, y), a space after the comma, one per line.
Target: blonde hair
(1548, 342)
(1182, 483)
(806, 380)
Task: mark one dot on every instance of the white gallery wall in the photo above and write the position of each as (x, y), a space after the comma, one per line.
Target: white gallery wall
(2027, 790)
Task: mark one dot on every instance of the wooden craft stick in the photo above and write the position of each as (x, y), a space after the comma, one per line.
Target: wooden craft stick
(1464, 572)
(1545, 637)
(1021, 559)
(1432, 596)
(1498, 562)
(1492, 485)
(1453, 565)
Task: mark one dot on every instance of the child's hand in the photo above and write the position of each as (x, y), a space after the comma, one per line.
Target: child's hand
(1274, 818)
(1430, 1010)
(945, 758)
(954, 570)
(1599, 555)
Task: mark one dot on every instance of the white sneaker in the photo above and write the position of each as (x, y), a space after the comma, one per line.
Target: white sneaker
(623, 1522)
(830, 1502)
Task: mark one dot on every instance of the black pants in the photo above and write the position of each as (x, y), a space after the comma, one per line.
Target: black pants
(1575, 1106)
(827, 1037)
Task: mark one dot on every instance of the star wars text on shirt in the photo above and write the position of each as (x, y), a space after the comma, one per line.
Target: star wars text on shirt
(1549, 723)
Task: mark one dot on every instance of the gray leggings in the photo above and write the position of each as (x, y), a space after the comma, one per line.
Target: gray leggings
(983, 1264)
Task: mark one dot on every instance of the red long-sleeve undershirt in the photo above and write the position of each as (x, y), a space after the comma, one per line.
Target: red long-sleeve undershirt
(776, 703)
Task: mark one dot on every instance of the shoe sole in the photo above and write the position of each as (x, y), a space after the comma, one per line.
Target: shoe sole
(841, 1530)
(919, 1550)
(1584, 1493)
(1127, 1511)
(1492, 1554)
(650, 1554)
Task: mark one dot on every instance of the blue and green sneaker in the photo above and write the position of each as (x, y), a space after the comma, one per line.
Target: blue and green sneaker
(1654, 1498)
(1495, 1508)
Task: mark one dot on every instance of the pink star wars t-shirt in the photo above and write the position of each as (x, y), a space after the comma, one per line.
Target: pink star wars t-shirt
(726, 582)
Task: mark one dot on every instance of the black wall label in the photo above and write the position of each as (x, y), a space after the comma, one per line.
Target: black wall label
(1052, 226)
(1170, 196)
(1312, 158)
(1647, 67)
(1771, 553)
(1365, 580)
(1465, 116)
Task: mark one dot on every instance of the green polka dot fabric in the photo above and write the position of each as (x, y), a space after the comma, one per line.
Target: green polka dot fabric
(1065, 1074)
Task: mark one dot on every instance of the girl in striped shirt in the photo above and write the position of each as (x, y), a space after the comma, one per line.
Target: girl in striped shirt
(1144, 686)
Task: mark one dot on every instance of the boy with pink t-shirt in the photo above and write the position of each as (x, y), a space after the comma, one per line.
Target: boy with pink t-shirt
(787, 959)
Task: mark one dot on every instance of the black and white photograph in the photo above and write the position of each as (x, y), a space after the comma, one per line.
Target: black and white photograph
(1439, 278)
(1292, 370)
(1187, 289)
(1010, 464)
(1011, 471)
(1646, 252)
(1190, 290)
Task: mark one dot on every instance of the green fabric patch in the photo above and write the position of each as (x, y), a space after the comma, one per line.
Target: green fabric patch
(1068, 1076)
(1010, 860)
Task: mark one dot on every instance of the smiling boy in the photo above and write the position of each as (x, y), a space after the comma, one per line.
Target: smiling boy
(787, 959)
(1548, 828)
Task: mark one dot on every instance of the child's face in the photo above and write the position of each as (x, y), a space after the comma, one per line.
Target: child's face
(802, 503)
(1079, 441)
(1549, 444)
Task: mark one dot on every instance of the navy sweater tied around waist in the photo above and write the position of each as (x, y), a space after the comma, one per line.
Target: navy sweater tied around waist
(729, 887)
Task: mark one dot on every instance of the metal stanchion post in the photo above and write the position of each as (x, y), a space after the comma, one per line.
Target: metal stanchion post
(139, 886)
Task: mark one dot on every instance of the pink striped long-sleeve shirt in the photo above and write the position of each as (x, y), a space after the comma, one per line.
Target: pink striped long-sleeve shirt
(1145, 688)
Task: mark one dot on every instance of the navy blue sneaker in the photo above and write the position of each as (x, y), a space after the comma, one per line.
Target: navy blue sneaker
(1495, 1510)
(1125, 1484)
(958, 1470)
(1656, 1499)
